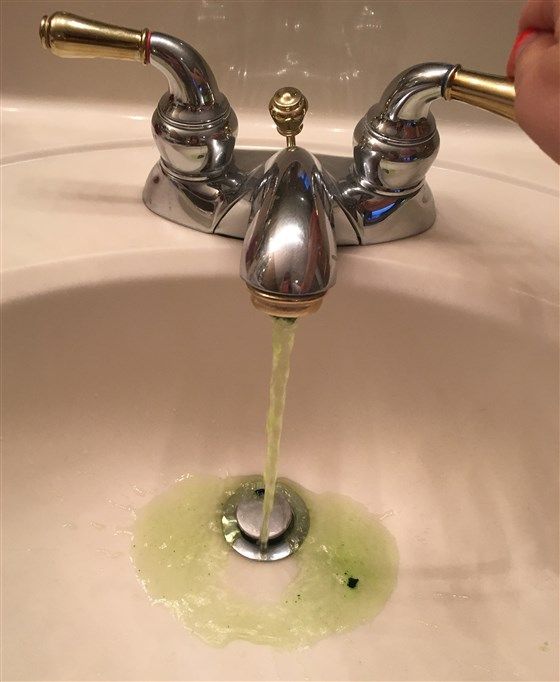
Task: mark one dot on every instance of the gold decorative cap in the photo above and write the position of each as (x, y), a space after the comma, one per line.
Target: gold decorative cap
(288, 107)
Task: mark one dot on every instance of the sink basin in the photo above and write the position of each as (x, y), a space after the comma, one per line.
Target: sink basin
(425, 388)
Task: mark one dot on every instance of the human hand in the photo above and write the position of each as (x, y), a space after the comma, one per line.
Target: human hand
(534, 64)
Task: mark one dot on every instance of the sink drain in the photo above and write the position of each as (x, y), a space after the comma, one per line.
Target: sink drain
(242, 518)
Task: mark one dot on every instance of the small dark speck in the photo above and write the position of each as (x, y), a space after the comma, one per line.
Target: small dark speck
(259, 492)
(352, 582)
(156, 180)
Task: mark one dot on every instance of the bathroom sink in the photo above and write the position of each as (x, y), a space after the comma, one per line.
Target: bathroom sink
(425, 388)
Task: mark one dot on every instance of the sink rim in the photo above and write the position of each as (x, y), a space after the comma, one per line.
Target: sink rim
(420, 283)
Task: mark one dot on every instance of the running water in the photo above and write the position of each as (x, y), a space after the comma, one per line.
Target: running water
(283, 333)
(183, 562)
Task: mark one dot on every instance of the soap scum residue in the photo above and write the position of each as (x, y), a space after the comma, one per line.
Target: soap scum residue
(346, 568)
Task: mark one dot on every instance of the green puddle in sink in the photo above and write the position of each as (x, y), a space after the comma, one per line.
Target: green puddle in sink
(342, 575)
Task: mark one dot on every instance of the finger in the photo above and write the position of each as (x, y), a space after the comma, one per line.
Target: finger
(537, 86)
(541, 14)
(522, 40)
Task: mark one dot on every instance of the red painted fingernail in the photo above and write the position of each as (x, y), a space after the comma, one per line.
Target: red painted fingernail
(520, 40)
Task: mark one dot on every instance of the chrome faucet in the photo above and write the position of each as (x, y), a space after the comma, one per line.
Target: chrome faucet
(293, 208)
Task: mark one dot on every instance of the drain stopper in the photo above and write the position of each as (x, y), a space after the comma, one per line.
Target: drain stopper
(249, 516)
(242, 518)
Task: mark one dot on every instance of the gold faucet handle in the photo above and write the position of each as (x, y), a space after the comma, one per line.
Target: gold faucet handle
(288, 107)
(68, 35)
(482, 90)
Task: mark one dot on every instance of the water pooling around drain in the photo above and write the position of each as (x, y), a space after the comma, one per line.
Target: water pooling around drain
(344, 571)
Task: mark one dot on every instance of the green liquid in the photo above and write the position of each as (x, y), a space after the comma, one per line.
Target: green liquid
(184, 563)
(342, 575)
(283, 333)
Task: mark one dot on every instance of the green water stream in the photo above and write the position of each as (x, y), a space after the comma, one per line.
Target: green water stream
(283, 334)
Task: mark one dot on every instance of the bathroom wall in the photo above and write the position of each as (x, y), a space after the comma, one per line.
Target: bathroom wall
(340, 53)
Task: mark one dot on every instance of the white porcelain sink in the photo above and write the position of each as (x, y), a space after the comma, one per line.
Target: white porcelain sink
(426, 388)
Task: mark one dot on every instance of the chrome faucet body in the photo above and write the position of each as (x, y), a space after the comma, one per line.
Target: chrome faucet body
(290, 211)
(395, 143)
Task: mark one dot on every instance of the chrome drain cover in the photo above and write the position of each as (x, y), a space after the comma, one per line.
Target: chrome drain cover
(242, 517)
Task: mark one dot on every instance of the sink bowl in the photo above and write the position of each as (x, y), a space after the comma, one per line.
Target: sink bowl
(425, 388)
(439, 419)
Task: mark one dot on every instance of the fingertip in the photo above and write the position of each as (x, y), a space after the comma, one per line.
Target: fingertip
(522, 39)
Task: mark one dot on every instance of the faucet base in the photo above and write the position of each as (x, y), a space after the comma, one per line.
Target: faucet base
(198, 204)
(223, 205)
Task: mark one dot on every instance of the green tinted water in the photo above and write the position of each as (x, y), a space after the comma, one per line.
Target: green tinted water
(344, 572)
(283, 333)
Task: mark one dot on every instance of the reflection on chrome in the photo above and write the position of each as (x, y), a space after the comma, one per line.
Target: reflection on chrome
(290, 211)
(289, 248)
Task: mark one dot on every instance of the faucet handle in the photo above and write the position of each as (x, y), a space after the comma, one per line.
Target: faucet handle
(288, 107)
(68, 35)
(485, 91)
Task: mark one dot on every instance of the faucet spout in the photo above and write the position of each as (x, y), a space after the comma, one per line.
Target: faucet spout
(289, 252)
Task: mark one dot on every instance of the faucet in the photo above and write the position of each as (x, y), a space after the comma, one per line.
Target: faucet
(292, 209)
